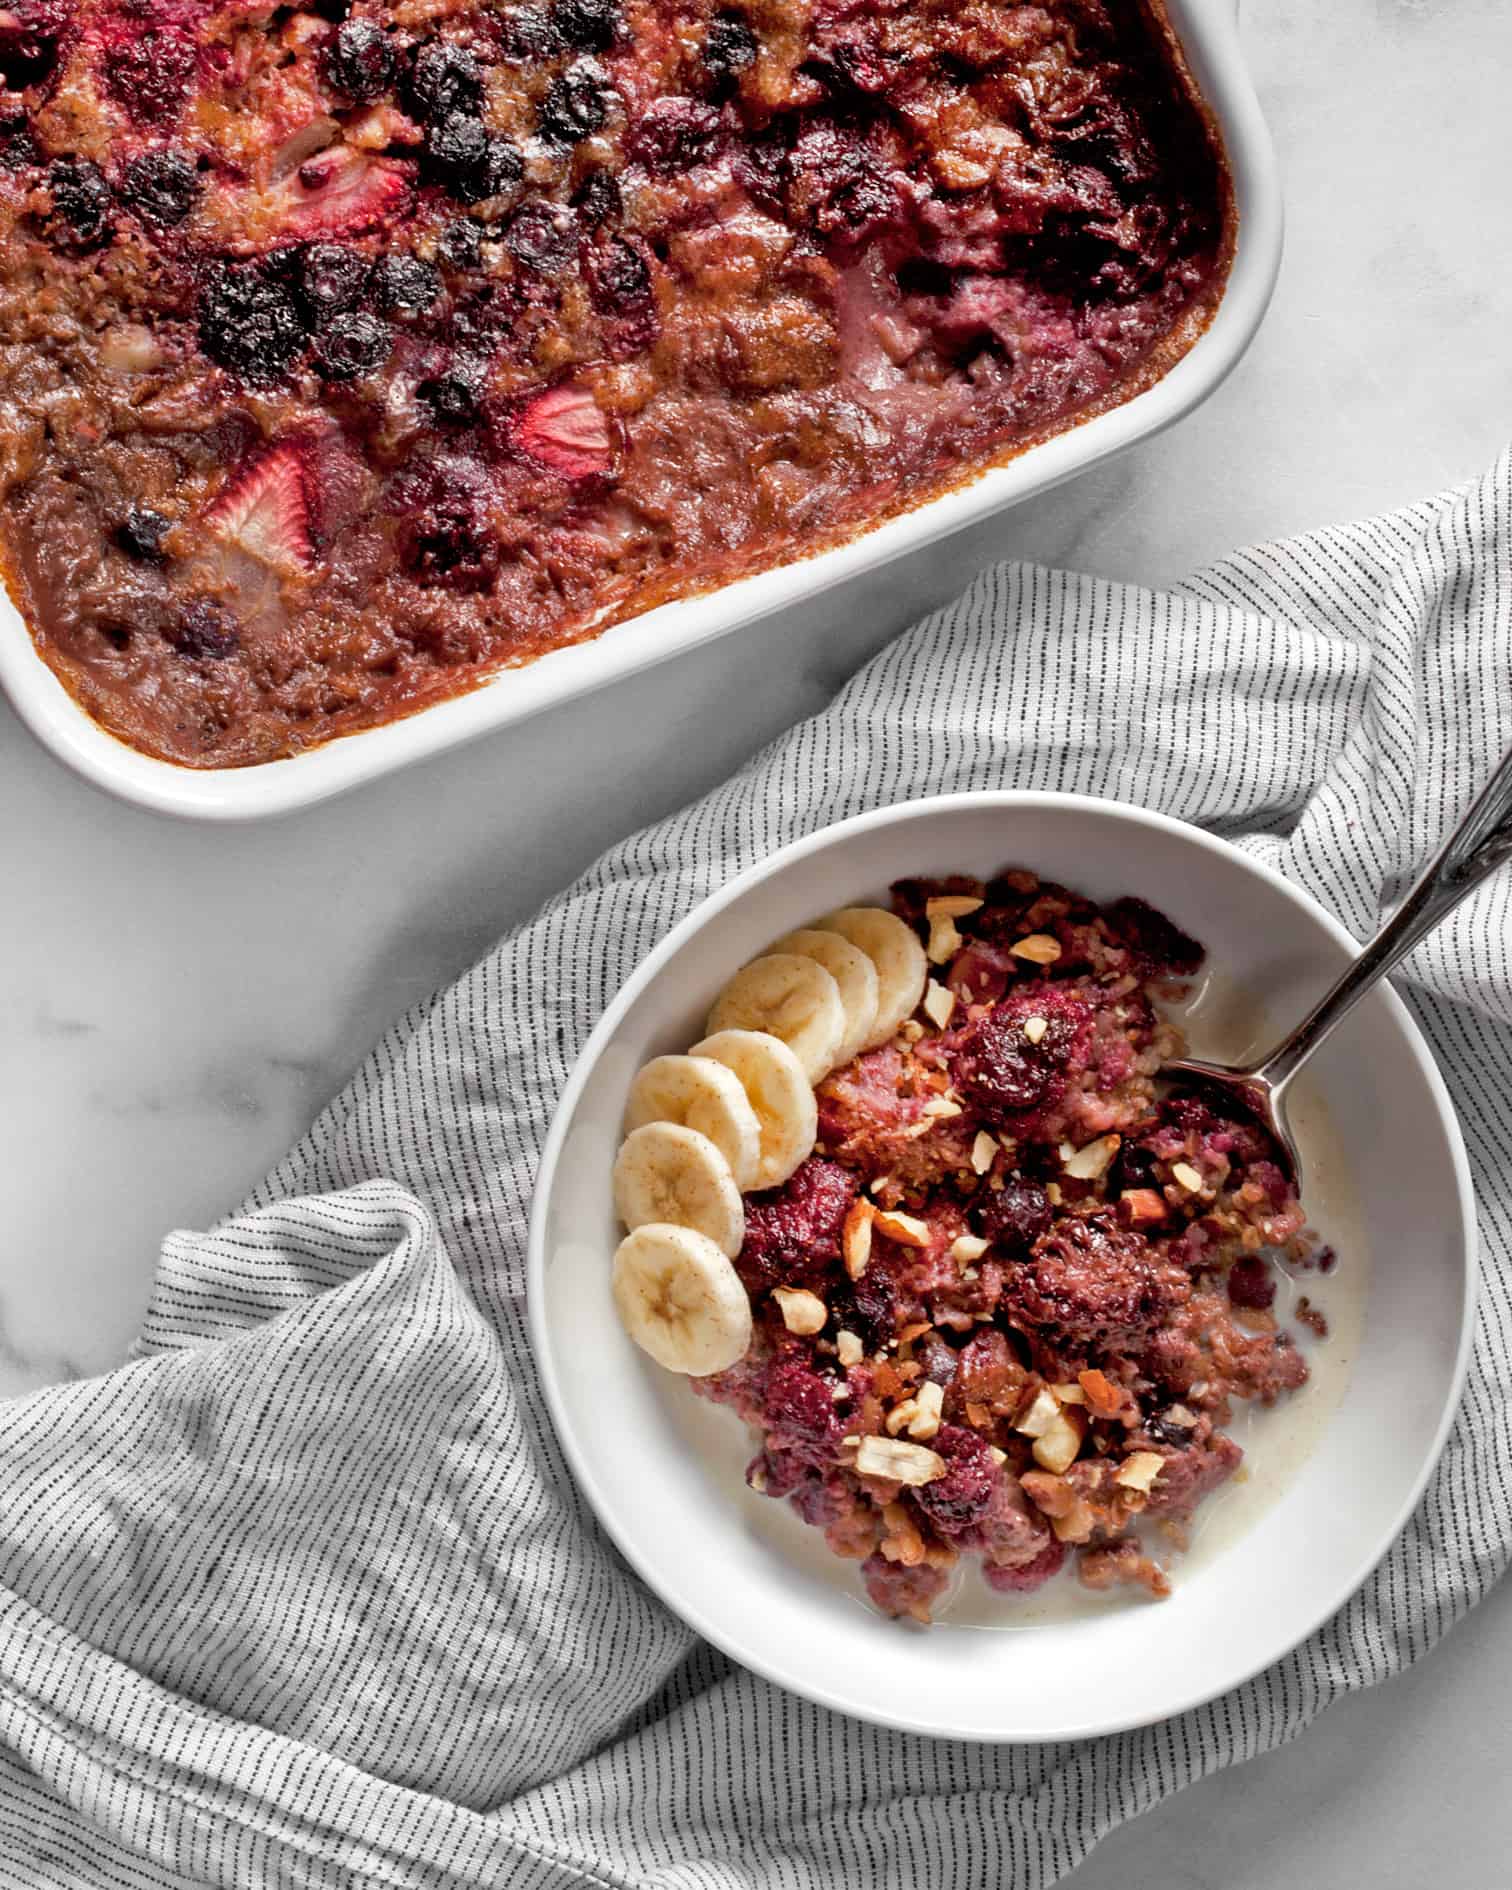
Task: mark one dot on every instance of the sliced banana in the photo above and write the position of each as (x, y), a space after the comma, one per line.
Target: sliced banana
(700, 1094)
(680, 1299)
(780, 1093)
(854, 974)
(665, 1172)
(792, 998)
(898, 956)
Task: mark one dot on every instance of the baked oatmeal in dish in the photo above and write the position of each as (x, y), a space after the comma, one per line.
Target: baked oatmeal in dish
(349, 353)
(1001, 1304)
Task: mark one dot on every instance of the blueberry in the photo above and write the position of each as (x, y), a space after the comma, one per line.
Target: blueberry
(729, 47)
(81, 214)
(574, 106)
(204, 630)
(619, 282)
(542, 236)
(598, 200)
(453, 395)
(405, 284)
(332, 277)
(140, 534)
(472, 162)
(359, 61)
(590, 25)
(527, 36)
(445, 78)
(460, 245)
(350, 345)
(162, 187)
(250, 323)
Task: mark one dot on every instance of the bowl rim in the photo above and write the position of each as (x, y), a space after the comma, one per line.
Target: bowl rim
(669, 947)
(1209, 37)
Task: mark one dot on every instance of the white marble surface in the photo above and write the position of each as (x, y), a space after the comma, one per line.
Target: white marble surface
(167, 1027)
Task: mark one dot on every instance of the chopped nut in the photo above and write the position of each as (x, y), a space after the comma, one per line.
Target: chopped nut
(952, 906)
(1043, 1413)
(911, 1031)
(878, 1184)
(944, 940)
(898, 1462)
(901, 1415)
(1092, 1162)
(1053, 1193)
(1069, 1394)
(941, 1108)
(939, 1003)
(1143, 1206)
(903, 1543)
(902, 1228)
(1139, 1470)
(848, 1348)
(1102, 1396)
(929, 1407)
(983, 1152)
(803, 1312)
(1039, 948)
(849, 1443)
(856, 1237)
(1035, 1028)
(977, 1415)
(1076, 1525)
(839, 1393)
(967, 1247)
(1058, 1446)
(999, 1457)
(1186, 1176)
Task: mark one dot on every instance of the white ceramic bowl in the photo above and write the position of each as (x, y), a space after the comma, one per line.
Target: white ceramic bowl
(1208, 31)
(661, 1466)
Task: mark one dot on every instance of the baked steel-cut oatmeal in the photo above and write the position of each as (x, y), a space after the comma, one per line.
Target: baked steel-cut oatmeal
(1002, 1302)
(350, 352)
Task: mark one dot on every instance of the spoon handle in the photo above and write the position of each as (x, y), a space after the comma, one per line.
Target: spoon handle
(1477, 846)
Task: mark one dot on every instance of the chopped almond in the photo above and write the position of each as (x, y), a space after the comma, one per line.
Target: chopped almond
(1186, 1176)
(1093, 1160)
(1139, 1470)
(941, 1108)
(977, 1415)
(848, 1348)
(929, 1408)
(983, 1152)
(900, 1416)
(952, 906)
(903, 1228)
(1042, 1414)
(1104, 1398)
(903, 1543)
(999, 1457)
(967, 1247)
(1056, 1448)
(803, 1312)
(939, 1003)
(898, 1462)
(907, 1334)
(1039, 948)
(856, 1237)
(1035, 1028)
(1069, 1394)
(944, 940)
(1143, 1206)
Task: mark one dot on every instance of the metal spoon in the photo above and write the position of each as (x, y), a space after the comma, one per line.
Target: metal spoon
(1478, 845)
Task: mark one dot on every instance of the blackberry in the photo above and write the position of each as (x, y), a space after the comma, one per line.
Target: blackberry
(1015, 1215)
(405, 284)
(29, 35)
(589, 25)
(203, 631)
(351, 345)
(81, 212)
(527, 36)
(674, 135)
(162, 187)
(150, 74)
(574, 106)
(460, 245)
(619, 282)
(359, 61)
(453, 396)
(445, 78)
(249, 323)
(542, 236)
(18, 148)
(598, 200)
(332, 277)
(729, 47)
(443, 538)
(140, 534)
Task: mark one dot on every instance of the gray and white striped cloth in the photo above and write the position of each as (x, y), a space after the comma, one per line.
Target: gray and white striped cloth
(304, 1595)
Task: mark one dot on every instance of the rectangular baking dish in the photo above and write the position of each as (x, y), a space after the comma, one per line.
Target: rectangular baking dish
(1208, 31)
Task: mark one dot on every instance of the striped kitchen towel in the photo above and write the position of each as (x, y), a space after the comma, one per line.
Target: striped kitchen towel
(304, 1594)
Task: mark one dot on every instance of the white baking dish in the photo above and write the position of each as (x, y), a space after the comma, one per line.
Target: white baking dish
(1208, 30)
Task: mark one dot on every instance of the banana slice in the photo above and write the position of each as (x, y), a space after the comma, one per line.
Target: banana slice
(791, 998)
(894, 949)
(780, 1094)
(854, 974)
(680, 1299)
(667, 1173)
(700, 1094)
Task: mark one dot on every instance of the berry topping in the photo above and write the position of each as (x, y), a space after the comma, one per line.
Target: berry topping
(589, 25)
(351, 345)
(792, 1233)
(964, 1494)
(565, 429)
(1251, 1283)
(203, 630)
(445, 540)
(250, 323)
(29, 35)
(444, 79)
(162, 187)
(997, 1068)
(674, 135)
(469, 160)
(460, 245)
(598, 200)
(574, 106)
(454, 395)
(836, 185)
(542, 236)
(619, 281)
(1014, 1216)
(149, 72)
(140, 534)
(265, 511)
(405, 285)
(526, 35)
(18, 148)
(81, 212)
(332, 277)
(359, 62)
(729, 47)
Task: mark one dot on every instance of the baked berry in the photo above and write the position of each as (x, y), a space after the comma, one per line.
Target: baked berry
(81, 212)
(997, 1068)
(359, 61)
(574, 106)
(332, 277)
(29, 35)
(619, 280)
(18, 148)
(405, 284)
(729, 47)
(454, 396)
(589, 25)
(162, 187)
(526, 35)
(471, 162)
(351, 345)
(792, 1233)
(1251, 1283)
(203, 630)
(674, 135)
(460, 245)
(963, 1495)
(140, 534)
(149, 74)
(542, 236)
(445, 78)
(598, 200)
(1014, 1216)
(250, 323)
(444, 538)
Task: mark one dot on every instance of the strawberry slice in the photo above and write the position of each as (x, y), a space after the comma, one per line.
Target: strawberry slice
(342, 192)
(265, 511)
(565, 429)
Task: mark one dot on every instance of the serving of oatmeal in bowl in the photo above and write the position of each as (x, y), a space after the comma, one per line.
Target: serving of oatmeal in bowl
(886, 1295)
